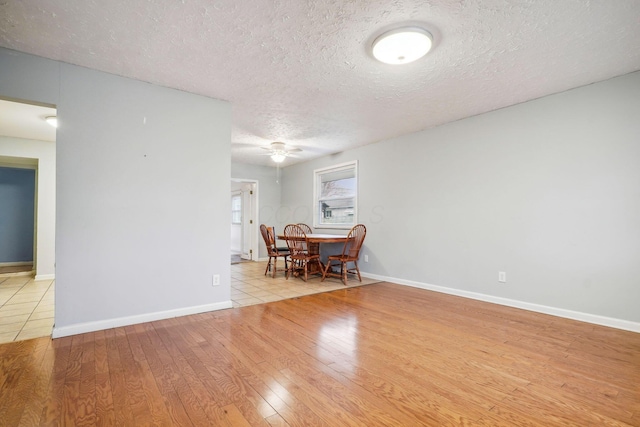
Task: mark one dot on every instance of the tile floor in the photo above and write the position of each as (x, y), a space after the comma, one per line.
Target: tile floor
(250, 286)
(27, 306)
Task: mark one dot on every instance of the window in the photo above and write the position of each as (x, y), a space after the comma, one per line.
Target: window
(236, 209)
(335, 196)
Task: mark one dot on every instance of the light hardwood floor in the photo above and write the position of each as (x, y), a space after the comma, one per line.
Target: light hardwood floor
(376, 355)
(27, 306)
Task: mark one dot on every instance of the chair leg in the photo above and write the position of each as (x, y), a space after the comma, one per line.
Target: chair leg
(275, 268)
(306, 265)
(357, 270)
(343, 272)
(268, 266)
(326, 269)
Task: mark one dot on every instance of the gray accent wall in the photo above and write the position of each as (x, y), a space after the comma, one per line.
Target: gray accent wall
(17, 214)
(547, 191)
(142, 188)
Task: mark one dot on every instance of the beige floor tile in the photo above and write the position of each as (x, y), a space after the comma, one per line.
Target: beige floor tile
(39, 323)
(15, 281)
(247, 288)
(7, 336)
(257, 282)
(7, 288)
(20, 298)
(16, 309)
(12, 327)
(7, 320)
(44, 307)
(260, 293)
(248, 301)
(3, 300)
(270, 298)
(37, 315)
(289, 294)
(27, 334)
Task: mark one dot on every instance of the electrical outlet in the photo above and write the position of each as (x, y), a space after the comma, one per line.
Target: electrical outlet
(215, 280)
(502, 277)
(366, 258)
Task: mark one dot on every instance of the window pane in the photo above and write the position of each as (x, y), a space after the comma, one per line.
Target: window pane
(336, 196)
(236, 210)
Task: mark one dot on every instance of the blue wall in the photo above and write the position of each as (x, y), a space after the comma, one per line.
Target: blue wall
(17, 198)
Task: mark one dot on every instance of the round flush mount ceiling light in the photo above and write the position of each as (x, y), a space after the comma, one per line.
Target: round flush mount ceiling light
(402, 45)
(52, 120)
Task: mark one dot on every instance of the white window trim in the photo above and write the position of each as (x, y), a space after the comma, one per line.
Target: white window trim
(237, 194)
(316, 174)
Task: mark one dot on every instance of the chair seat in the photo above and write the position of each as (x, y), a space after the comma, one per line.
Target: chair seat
(341, 258)
(305, 256)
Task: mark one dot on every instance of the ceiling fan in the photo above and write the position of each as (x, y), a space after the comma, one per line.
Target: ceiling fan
(279, 151)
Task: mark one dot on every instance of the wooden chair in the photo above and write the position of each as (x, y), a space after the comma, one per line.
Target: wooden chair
(350, 253)
(269, 236)
(297, 242)
(305, 228)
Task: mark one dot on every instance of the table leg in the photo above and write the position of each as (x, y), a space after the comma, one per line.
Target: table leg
(315, 266)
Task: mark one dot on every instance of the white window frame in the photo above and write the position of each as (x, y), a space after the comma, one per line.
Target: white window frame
(236, 196)
(317, 180)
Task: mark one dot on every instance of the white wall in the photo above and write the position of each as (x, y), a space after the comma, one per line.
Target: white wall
(45, 154)
(140, 173)
(547, 191)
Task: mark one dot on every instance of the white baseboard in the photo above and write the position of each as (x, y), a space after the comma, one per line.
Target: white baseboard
(44, 277)
(100, 325)
(15, 264)
(554, 311)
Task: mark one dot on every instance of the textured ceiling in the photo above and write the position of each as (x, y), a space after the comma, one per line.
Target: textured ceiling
(300, 71)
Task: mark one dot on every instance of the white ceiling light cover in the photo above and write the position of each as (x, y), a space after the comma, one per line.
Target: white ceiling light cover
(52, 120)
(402, 45)
(278, 157)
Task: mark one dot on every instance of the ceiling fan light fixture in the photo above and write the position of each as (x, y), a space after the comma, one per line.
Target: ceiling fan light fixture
(278, 157)
(52, 120)
(402, 45)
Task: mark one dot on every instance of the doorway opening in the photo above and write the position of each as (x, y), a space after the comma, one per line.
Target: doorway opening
(27, 220)
(244, 218)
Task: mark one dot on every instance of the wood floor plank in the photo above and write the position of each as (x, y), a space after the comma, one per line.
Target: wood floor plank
(164, 408)
(375, 355)
(86, 413)
(20, 384)
(71, 412)
(105, 415)
(210, 398)
(122, 407)
(54, 402)
(38, 391)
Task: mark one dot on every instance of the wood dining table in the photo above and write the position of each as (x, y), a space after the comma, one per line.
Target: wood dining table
(313, 246)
